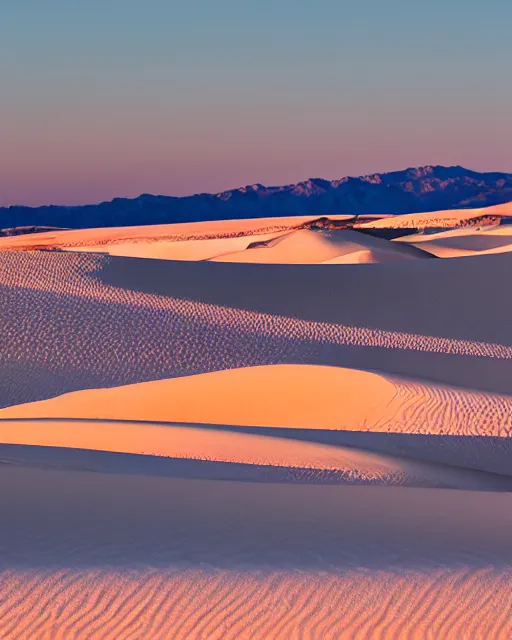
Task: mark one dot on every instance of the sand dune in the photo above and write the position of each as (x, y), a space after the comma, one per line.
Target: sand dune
(76, 321)
(280, 395)
(293, 396)
(205, 249)
(308, 247)
(116, 240)
(464, 242)
(447, 218)
(330, 405)
(96, 556)
(193, 452)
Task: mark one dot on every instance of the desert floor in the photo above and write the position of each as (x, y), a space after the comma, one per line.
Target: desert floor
(257, 429)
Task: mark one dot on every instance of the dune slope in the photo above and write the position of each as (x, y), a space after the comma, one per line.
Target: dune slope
(75, 321)
(307, 246)
(464, 242)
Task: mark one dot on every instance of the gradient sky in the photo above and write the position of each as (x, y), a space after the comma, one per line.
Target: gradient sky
(104, 98)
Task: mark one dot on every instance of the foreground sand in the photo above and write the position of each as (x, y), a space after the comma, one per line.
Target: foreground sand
(202, 444)
(88, 555)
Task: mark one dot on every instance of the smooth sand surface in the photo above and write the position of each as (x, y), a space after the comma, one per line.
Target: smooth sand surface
(463, 242)
(293, 396)
(410, 419)
(170, 428)
(204, 249)
(267, 241)
(195, 452)
(309, 247)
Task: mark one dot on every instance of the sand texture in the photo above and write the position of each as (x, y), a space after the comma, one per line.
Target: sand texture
(257, 430)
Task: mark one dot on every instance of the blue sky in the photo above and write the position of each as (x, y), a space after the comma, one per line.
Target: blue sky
(116, 97)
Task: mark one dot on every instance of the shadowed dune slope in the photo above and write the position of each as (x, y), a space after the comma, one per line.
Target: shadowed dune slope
(74, 320)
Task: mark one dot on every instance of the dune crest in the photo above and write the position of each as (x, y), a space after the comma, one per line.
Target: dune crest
(308, 246)
(290, 396)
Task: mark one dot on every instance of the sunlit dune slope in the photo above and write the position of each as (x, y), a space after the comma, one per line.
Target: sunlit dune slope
(294, 396)
(309, 247)
(281, 395)
(203, 249)
(463, 242)
(158, 240)
(447, 218)
(192, 451)
(410, 419)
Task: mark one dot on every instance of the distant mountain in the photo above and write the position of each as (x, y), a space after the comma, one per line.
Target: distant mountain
(428, 188)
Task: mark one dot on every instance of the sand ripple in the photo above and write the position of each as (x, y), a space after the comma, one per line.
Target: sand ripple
(218, 604)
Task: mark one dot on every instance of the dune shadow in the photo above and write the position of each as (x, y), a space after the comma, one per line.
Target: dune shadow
(389, 296)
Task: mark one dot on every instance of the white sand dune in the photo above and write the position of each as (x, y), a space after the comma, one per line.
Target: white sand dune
(446, 218)
(279, 395)
(73, 321)
(157, 240)
(194, 452)
(309, 247)
(204, 249)
(293, 396)
(464, 242)
(88, 555)
(333, 405)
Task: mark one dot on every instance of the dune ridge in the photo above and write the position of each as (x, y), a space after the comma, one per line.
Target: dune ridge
(464, 242)
(308, 246)
(263, 457)
(287, 396)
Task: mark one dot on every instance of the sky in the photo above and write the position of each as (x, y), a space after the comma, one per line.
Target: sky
(106, 98)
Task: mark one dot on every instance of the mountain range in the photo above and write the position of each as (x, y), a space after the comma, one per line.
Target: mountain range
(427, 188)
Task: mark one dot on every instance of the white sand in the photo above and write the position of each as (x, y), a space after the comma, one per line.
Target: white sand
(357, 408)
(73, 321)
(88, 555)
(289, 396)
(463, 242)
(445, 218)
(309, 247)
(131, 387)
(156, 241)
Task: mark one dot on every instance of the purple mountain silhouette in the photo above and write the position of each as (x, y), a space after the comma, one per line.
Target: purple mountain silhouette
(426, 188)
